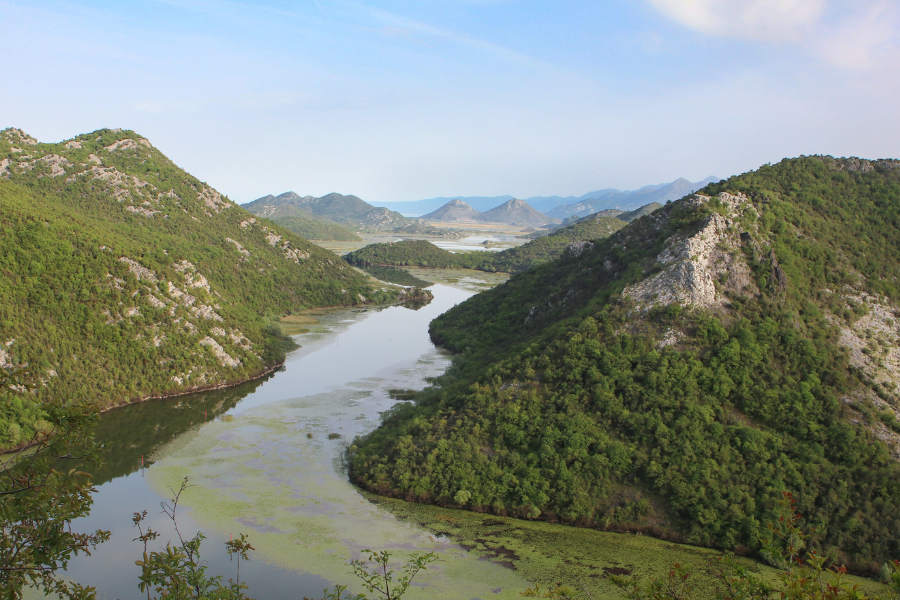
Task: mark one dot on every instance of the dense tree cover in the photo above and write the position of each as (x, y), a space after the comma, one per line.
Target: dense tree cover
(348, 211)
(39, 500)
(422, 253)
(316, 229)
(563, 405)
(107, 303)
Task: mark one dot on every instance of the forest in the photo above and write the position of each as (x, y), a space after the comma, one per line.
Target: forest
(125, 277)
(565, 402)
(316, 229)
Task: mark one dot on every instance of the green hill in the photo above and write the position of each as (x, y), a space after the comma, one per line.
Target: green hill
(425, 254)
(677, 376)
(316, 229)
(628, 217)
(125, 277)
(348, 211)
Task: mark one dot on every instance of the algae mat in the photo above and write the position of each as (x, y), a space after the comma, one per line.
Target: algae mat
(275, 472)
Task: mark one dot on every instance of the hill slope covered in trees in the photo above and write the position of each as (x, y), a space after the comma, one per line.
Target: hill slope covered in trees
(125, 277)
(677, 376)
(348, 211)
(315, 229)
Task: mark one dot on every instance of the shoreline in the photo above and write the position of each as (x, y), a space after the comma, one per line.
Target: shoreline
(197, 389)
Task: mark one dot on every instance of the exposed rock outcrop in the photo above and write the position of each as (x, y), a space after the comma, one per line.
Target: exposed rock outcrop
(699, 269)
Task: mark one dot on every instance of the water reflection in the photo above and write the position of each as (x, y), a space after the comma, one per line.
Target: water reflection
(265, 458)
(131, 434)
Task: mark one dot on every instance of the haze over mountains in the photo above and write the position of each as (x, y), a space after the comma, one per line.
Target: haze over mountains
(554, 205)
(348, 211)
(514, 212)
(336, 211)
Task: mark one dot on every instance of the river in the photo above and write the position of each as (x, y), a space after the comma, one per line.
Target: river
(264, 458)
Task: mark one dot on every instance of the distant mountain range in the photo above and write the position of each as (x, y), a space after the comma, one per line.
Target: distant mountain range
(604, 199)
(594, 201)
(513, 211)
(349, 211)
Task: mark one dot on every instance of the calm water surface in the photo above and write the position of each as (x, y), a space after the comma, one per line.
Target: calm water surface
(263, 458)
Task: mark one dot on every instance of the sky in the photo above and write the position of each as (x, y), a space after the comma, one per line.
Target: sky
(403, 100)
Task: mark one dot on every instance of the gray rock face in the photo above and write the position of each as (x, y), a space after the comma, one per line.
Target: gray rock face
(699, 269)
(455, 210)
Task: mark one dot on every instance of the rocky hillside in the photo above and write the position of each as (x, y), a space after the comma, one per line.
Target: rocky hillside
(348, 211)
(677, 376)
(516, 212)
(513, 212)
(125, 277)
(455, 210)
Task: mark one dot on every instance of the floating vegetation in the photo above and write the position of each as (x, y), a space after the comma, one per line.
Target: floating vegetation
(296, 324)
(549, 553)
(334, 436)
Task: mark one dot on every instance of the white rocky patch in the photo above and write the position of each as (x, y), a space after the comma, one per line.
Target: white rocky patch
(122, 185)
(17, 136)
(134, 311)
(5, 363)
(239, 339)
(196, 281)
(116, 282)
(95, 159)
(248, 223)
(56, 163)
(239, 247)
(183, 265)
(142, 273)
(272, 238)
(577, 248)
(693, 265)
(183, 297)
(670, 338)
(126, 144)
(155, 302)
(225, 359)
(4, 167)
(218, 332)
(874, 340)
(73, 145)
(213, 199)
(140, 210)
(206, 312)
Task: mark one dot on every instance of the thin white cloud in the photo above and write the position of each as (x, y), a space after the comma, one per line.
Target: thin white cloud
(770, 20)
(396, 24)
(852, 35)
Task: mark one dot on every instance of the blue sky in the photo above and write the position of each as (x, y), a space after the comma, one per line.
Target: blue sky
(394, 100)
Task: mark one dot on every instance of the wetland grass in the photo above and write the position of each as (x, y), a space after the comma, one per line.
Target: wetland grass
(549, 553)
